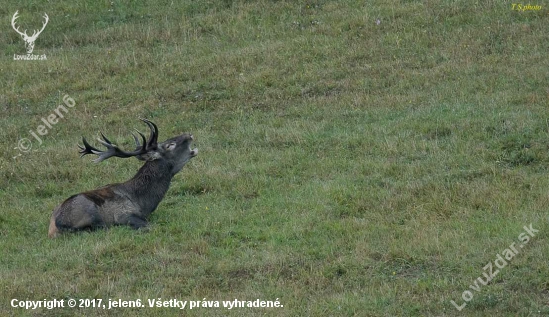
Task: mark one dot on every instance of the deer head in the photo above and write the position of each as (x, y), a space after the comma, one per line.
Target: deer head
(29, 40)
(175, 151)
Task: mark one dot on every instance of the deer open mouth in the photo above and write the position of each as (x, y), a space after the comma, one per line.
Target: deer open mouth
(195, 151)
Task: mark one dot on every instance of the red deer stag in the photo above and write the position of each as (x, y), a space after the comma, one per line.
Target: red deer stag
(128, 203)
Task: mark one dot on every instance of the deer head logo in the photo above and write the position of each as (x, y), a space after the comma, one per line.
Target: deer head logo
(29, 40)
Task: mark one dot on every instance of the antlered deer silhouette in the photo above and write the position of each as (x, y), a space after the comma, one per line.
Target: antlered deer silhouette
(128, 203)
(29, 40)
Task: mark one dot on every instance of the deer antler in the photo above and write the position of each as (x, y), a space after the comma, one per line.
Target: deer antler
(35, 34)
(23, 34)
(113, 150)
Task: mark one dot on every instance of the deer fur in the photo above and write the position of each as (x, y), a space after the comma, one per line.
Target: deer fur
(129, 203)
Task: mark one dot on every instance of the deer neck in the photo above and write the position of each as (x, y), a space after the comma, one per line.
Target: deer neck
(149, 185)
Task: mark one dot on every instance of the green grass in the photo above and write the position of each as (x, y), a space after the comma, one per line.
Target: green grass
(345, 168)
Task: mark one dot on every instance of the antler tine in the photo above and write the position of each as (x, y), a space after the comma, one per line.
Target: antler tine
(35, 33)
(137, 144)
(43, 25)
(15, 17)
(104, 138)
(153, 138)
(87, 148)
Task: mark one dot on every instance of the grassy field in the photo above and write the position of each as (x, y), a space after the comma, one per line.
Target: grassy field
(356, 158)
